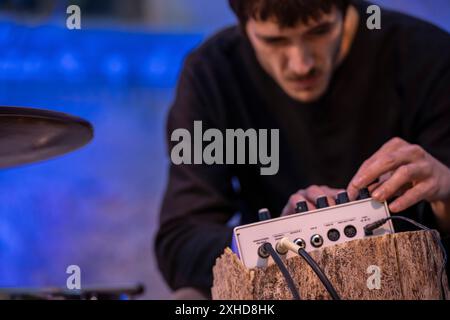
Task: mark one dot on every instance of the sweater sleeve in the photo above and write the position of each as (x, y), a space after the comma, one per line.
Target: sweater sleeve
(199, 198)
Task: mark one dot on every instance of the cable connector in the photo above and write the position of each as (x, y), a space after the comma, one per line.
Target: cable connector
(267, 249)
(286, 244)
(368, 229)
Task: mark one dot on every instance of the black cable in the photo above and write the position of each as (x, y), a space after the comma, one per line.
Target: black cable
(368, 229)
(290, 282)
(323, 278)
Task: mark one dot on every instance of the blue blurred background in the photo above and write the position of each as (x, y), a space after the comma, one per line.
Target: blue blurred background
(97, 207)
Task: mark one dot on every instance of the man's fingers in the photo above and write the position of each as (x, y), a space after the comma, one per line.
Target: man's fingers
(331, 191)
(390, 146)
(374, 185)
(292, 203)
(410, 198)
(314, 192)
(401, 177)
(310, 195)
(332, 194)
(353, 192)
(289, 208)
(311, 204)
(384, 162)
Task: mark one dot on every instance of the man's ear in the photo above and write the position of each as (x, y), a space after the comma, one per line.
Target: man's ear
(351, 22)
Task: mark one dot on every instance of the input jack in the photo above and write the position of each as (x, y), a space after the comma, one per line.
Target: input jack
(316, 241)
(263, 253)
(300, 242)
(333, 235)
(350, 231)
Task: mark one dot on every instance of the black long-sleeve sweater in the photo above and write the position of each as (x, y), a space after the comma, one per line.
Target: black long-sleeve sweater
(394, 82)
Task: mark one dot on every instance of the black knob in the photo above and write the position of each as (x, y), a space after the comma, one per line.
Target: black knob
(342, 198)
(363, 194)
(301, 206)
(322, 202)
(264, 214)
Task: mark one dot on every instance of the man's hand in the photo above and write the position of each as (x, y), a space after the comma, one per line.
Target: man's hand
(411, 173)
(310, 195)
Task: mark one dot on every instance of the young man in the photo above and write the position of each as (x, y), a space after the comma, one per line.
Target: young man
(352, 105)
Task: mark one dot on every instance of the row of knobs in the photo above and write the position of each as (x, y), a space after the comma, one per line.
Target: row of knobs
(321, 202)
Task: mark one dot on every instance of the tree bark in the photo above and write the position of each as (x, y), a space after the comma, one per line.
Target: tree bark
(410, 265)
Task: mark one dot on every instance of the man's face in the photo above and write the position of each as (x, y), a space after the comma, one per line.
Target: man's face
(301, 59)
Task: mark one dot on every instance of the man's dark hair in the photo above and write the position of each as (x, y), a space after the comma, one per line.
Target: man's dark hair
(287, 13)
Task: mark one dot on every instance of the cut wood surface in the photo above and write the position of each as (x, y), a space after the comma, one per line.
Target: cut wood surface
(409, 263)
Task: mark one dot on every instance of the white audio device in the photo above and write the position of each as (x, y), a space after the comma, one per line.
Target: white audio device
(311, 230)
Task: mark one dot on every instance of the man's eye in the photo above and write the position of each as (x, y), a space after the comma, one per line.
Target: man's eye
(274, 41)
(320, 30)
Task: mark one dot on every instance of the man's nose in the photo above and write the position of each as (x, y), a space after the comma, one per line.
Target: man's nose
(300, 60)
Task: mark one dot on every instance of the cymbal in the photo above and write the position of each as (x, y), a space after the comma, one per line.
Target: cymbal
(129, 291)
(31, 135)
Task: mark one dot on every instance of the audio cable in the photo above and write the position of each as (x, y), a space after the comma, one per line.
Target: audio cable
(368, 230)
(286, 244)
(267, 247)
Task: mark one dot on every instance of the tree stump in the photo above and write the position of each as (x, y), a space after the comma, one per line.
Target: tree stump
(410, 264)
